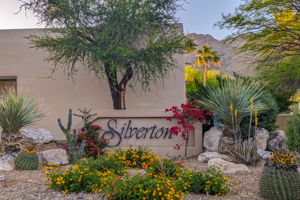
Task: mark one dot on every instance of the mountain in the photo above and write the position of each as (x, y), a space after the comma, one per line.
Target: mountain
(231, 61)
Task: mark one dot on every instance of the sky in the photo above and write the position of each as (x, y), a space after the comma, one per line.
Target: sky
(198, 16)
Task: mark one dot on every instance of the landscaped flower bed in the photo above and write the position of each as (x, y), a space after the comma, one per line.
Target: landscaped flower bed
(163, 178)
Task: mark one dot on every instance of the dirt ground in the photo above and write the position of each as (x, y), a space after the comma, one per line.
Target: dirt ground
(30, 185)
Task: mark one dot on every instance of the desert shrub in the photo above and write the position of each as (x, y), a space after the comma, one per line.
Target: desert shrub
(145, 187)
(78, 178)
(139, 157)
(171, 168)
(16, 112)
(211, 181)
(104, 164)
(293, 133)
(244, 153)
(94, 146)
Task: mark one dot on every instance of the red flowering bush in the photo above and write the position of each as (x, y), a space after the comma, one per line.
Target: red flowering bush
(94, 145)
(186, 115)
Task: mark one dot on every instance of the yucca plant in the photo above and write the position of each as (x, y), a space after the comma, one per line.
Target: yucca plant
(16, 112)
(233, 92)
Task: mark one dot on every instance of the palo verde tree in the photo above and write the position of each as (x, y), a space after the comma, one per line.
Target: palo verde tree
(271, 29)
(123, 40)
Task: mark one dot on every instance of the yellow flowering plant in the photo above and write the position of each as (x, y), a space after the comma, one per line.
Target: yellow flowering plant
(146, 188)
(210, 182)
(282, 159)
(139, 157)
(107, 175)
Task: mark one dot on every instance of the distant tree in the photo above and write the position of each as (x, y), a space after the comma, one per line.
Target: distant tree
(123, 40)
(206, 57)
(271, 29)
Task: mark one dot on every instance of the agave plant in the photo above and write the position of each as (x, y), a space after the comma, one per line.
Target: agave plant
(16, 112)
(237, 94)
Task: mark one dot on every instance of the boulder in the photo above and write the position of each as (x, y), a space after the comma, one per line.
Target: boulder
(228, 167)
(7, 163)
(38, 135)
(261, 138)
(206, 156)
(134, 172)
(264, 154)
(54, 157)
(211, 139)
(277, 140)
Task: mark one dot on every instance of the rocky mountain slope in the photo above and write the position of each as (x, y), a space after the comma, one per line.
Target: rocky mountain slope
(231, 61)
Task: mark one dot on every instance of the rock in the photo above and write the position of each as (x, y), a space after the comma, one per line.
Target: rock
(277, 140)
(7, 163)
(206, 156)
(228, 167)
(264, 154)
(133, 172)
(54, 156)
(2, 178)
(38, 135)
(261, 138)
(211, 139)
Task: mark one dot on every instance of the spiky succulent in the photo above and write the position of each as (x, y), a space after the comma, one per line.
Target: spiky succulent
(27, 159)
(280, 184)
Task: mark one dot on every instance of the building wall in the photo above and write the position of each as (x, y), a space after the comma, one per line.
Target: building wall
(58, 94)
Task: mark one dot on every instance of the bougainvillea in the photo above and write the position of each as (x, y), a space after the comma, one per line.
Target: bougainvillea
(186, 115)
(94, 145)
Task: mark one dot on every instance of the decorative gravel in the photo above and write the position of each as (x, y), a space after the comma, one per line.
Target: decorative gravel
(30, 185)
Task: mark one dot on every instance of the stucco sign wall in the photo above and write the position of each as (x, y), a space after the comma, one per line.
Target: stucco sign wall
(149, 128)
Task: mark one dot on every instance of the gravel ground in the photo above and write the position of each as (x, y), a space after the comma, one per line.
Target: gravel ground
(30, 185)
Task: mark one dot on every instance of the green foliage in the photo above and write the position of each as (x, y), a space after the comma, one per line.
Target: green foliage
(146, 187)
(75, 151)
(283, 81)
(171, 168)
(211, 181)
(293, 133)
(278, 184)
(104, 164)
(235, 93)
(27, 161)
(18, 111)
(76, 179)
(244, 153)
(271, 32)
(122, 40)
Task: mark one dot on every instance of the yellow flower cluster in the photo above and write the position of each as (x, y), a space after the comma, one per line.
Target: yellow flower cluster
(30, 150)
(136, 158)
(282, 157)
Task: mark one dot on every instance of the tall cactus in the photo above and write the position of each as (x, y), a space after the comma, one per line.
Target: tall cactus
(75, 152)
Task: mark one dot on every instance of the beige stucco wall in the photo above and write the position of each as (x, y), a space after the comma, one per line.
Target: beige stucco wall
(59, 94)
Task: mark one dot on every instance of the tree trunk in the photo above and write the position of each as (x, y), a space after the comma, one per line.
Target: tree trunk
(118, 89)
(204, 75)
